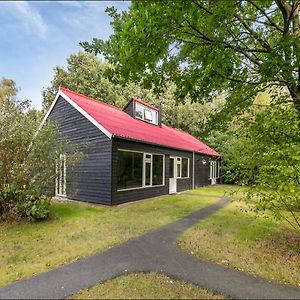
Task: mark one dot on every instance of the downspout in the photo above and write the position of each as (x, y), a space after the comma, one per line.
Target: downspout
(193, 178)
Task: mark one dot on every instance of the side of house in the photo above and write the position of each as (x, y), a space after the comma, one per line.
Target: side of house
(90, 179)
(128, 154)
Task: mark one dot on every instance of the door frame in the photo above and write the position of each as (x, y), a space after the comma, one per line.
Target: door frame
(173, 180)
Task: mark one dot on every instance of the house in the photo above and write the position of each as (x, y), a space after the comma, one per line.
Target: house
(129, 154)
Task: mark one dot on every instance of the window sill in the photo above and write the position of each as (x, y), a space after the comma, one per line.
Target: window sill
(142, 187)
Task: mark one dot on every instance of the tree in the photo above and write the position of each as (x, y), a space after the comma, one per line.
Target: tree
(86, 74)
(8, 91)
(261, 150)
(27, 168)
(207, 47)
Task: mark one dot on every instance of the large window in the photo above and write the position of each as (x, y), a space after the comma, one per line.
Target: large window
(137, 170)
(145, 113)
(130, 170)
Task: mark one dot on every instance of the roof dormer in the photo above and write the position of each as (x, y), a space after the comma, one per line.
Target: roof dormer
(143, 111)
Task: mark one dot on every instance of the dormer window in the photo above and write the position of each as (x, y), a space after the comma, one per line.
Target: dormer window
(146, 113)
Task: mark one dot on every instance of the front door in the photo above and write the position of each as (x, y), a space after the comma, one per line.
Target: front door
(172, 178)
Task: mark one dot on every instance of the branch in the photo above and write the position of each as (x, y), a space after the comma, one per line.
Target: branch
(202, 7)
(254, 34)
(284, 8)
(266, 15)
(228, 45)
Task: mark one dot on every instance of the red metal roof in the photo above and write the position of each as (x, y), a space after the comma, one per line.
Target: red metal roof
(120, 124)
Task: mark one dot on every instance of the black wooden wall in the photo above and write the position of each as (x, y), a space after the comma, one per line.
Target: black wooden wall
(90, 179)
(201, 170)
(129, 109)
(142, 193)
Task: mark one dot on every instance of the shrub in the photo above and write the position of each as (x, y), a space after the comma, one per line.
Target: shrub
(16, 204)
(36, 208)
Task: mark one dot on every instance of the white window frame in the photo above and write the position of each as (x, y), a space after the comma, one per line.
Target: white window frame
(153, 112)
(144, 170)
(178, 162)
(214, 169)
(61, 181)
(188, 172)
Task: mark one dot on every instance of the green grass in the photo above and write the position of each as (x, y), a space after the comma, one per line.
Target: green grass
(238, 238)
(77, 230)
(145, 286)
(219, 190)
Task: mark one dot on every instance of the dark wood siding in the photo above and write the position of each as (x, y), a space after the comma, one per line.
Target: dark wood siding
(90, 179)
(142, 193)
(201, 170)
(129, 109)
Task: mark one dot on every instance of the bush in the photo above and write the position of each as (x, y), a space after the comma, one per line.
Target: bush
(16, 204)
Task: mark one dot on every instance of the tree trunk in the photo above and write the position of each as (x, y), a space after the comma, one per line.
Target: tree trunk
(295, 93)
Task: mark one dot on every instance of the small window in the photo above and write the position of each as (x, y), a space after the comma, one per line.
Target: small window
(148, 115)
(178, 166)
(185, 167)
(139, 110)
(145, 113)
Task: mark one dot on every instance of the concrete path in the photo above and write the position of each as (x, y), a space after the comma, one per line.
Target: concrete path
(155, 251)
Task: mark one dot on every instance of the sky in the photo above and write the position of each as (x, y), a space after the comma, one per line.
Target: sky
(36, 36)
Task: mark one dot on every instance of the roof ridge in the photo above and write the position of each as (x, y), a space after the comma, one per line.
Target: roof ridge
(91, 99)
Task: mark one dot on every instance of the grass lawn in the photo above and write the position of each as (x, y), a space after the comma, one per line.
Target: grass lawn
(145, 286)
(238, 238)
(77, 230)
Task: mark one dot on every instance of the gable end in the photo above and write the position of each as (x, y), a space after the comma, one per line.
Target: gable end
(79, 109)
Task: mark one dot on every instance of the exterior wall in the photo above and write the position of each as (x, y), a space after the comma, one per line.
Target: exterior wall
(201, 170)
(130, 109)
(90, 179)
(148, 192)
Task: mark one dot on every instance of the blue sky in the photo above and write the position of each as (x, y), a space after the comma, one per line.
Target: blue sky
(37, 36)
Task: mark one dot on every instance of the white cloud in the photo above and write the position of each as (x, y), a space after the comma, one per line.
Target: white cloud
(28, 17)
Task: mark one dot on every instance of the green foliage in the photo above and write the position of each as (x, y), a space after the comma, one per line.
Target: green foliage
(37, 209)
(86, 74)
(206, 47)
(262, 150)
(27, 159)
(16, 204)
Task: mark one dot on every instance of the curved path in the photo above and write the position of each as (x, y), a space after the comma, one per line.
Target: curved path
(155, 251)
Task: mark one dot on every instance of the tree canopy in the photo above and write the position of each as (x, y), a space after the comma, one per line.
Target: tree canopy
(86, 74)
(206, 47)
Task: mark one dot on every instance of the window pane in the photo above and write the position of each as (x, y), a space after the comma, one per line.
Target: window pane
(148, 115)
(139, 109)
(185, 166)
(158, 168)
(178, 169)
(148, 174)
(129, 169)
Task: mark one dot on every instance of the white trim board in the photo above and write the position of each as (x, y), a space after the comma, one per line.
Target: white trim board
(79, 109)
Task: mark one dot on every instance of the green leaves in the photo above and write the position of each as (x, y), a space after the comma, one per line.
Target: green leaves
(205, 47)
